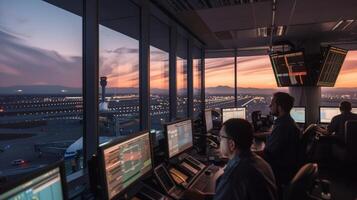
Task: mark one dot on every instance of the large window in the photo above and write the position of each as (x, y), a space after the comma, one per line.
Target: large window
(159, 74)
(197, 75)
(219, 82)
(256, 83)
(181, 77)
(346, 83)
(41, 105)
(118, 69)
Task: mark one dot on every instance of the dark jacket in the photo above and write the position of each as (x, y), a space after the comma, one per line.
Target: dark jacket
(282, 149)
(246, 177)
(337, 124)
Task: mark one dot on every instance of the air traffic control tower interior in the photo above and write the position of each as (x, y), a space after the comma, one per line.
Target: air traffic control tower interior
(127, 99)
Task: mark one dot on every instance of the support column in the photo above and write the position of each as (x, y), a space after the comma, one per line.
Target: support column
(90, 78)
(190, 79)
(308, 97)
(172, 74)
(144, 66)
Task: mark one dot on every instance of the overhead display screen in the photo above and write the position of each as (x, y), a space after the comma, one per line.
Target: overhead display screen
(289, 68)
(331, 66)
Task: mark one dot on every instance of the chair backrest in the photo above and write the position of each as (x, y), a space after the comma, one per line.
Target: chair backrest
(351, 138)
(307, 144)
(302, 183)
(256, 120)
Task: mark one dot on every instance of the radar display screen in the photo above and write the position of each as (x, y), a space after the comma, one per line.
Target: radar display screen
(126, 162)
(289, 68)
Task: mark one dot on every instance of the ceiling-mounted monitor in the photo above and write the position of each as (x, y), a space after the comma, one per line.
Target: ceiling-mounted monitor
(289, 68)
(333, 59)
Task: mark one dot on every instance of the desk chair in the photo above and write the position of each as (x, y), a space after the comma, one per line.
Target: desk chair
(351, 140)
(308, 143)
(302, 183)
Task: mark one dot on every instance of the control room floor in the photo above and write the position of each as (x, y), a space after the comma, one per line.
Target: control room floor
(343, 181)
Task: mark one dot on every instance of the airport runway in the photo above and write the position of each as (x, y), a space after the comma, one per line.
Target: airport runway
(23, 148)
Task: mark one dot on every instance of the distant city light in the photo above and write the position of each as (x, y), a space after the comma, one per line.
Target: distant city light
(63, 90)
(19, 90)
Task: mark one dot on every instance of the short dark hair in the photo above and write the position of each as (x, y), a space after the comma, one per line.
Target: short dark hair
(284, 100)
(240, 131)
(345, 106)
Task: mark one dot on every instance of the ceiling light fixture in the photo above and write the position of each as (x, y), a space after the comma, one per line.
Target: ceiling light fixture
(337, 25)
(348, 23)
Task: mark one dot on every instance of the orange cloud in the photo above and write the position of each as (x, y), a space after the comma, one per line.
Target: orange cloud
(219, 71)
(253, 71)
(348, 73)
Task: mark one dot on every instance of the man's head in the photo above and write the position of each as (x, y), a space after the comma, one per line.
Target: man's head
(345, 107)
(236, 136)
(281, 103)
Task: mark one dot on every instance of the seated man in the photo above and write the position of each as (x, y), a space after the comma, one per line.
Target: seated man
(337, 124)
(282, 146)
(246, 176)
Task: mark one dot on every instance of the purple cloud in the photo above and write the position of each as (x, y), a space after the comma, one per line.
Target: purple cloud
(21, 64)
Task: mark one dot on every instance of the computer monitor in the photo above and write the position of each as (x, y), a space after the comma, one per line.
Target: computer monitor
(298, 114)
(327, 113)
(289, 68)
(208, 119)
(124, 162)
(354, 110)
(45, 184)
(178, 137)
(229, 113)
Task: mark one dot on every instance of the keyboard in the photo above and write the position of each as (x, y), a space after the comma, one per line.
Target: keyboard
(151, 194)
(194, 161)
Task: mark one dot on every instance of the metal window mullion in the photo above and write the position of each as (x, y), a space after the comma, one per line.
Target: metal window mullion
(172, 73)
(190, 79)
(203, 88)
(235, 79)
(90, 78)
(144, 66)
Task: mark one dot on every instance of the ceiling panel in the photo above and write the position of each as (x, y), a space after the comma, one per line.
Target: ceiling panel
(308, 11)
(246, 16)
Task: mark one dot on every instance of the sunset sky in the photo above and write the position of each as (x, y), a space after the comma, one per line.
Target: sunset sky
(42, 45)
(257, 72)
